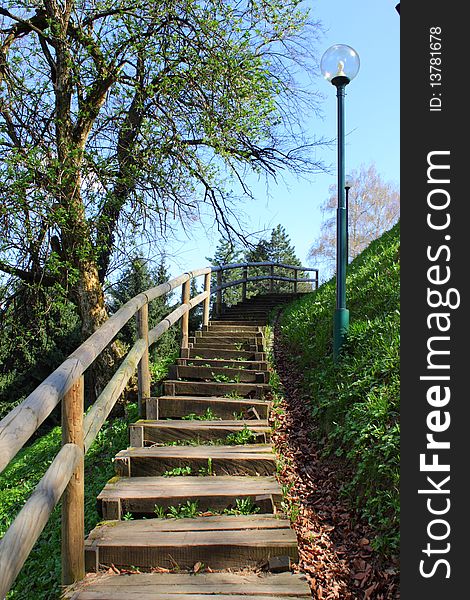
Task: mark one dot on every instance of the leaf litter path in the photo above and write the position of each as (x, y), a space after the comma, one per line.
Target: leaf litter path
(334, 543)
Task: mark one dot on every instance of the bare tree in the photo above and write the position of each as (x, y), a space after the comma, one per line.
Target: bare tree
(373, 207)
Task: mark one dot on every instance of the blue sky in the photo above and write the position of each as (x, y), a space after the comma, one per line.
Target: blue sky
(371, 27)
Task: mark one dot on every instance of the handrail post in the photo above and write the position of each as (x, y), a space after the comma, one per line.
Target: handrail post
(296, 276)
(73, 499)
(271, 281)
(207, 288)
(186, 296)
(218, 306)
(245, 277)
(143, 369)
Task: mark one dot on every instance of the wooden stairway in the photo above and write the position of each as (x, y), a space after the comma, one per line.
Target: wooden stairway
(188, 453)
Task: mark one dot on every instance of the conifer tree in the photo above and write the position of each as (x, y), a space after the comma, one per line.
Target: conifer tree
(279, 249)
(195, 316)
(260, 253)
(136, 279)
(227, 252)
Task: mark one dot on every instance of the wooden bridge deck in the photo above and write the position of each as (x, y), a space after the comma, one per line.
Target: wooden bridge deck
(225, 374)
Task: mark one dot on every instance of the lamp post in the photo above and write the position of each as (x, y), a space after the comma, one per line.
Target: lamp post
(347, 187)
(339, 65)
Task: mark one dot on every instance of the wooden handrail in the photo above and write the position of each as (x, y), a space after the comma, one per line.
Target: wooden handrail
(23, 533)
(66, 383)
(260, 264)
(220, 286)
(262, 278)
(99, 411)
(20, 424)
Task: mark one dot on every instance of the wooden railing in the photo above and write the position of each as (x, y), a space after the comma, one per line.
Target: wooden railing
(270, 276)
(65, 476)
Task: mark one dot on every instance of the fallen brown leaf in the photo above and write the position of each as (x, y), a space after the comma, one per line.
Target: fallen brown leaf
(197, 567)
(334, 543)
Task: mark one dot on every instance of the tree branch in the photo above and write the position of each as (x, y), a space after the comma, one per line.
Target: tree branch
(27, 276)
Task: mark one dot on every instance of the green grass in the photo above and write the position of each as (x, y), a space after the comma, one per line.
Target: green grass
(178, 471)
(40, 577)
(207, 415)
(237, 438)
(243, 506)
(190, 509)
(356, 401)
(187, 470)
(244, 436)
(221, 378)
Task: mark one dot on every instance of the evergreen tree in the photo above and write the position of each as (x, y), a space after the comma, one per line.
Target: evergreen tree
(259, 253)
(227, 252)
(279, 249)
(136, 279)
(40, 328)
(195, 316)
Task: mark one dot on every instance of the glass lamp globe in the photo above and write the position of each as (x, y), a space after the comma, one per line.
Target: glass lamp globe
(340, 61)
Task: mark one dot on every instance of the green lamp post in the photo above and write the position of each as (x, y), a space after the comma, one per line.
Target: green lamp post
(339, 65)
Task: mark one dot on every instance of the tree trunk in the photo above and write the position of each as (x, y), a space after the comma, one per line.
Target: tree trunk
(90, 299)
(93, 313)
(78, 252)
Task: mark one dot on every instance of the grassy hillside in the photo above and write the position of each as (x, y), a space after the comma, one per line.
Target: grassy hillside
(356, 402)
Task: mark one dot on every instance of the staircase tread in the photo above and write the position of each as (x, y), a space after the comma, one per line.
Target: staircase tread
(204, 424)
(251, 365)
(167, 487)
(181, 405)
(135, 531)
(223, 383)
(245, 450)
(213, 398)
(219, 542)
(159, 586)
(224, 353)
(206, 372)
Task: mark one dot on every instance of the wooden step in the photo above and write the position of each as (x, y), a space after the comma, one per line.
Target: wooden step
(212, 373)
(144, 433)
(235, 336)
(221, 344)
(204, 586)
(251, 308)
(259, 314)
(230, 364)
(173, 387)
(250, 459)
(139, 495)
(236, 323)
(259, 320)
(221, 326)
(174, 407)
(221, 542)
(214, 352)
